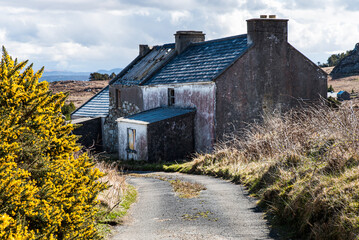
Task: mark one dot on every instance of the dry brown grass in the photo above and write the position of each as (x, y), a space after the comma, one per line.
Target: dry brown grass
(112, 196)
(349, 84)
(114, 201)
(183, 188)
(303, 166)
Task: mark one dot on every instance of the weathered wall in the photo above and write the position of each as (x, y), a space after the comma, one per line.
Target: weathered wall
(308, 80)
(140, 141)
(199, 96)
(271, 76)
(131, 103)
(171, 139)
(90, 132)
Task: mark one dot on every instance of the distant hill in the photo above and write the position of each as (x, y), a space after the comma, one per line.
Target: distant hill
(115, 70)
(54, 76)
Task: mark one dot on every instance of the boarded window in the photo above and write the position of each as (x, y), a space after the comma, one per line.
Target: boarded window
(171, 97)
(118, 98)
(131, 138)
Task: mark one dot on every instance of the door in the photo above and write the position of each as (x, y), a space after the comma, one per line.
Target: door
(131, 143)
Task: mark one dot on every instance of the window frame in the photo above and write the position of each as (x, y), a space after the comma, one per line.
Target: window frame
(171, 96)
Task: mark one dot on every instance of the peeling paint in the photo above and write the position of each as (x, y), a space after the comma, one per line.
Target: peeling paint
(140, 145)
(199, 96)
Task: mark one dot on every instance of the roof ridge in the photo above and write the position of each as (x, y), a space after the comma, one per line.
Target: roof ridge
(169, 45)
(219, 39)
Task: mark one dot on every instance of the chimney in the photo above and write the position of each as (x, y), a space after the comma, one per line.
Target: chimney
(144, 49)
(184, 38)
(267, 28)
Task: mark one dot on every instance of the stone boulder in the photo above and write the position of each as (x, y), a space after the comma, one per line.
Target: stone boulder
(348, 66)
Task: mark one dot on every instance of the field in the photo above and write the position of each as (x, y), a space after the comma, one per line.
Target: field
(349, 84)
(80, 91)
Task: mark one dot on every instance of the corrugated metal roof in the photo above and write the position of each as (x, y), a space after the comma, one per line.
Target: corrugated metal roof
(97, 106)
(157, 114)
(201, 62)
(143, 68)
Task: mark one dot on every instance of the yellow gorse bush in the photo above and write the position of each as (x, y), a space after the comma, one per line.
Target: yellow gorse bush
(45, 193)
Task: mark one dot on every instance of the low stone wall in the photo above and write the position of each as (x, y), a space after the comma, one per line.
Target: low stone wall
(90, 132)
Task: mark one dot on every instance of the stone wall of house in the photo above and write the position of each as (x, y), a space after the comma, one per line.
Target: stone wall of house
(171, 139)
(270, 76)
(130, 102)
(90, 132)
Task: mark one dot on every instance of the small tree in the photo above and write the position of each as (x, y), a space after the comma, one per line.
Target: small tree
(67, 109)
(45, 192)
(113, 75)
(99, 77)
(330, 88)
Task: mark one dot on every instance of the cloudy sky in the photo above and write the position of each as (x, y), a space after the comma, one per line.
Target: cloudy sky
(87, 35)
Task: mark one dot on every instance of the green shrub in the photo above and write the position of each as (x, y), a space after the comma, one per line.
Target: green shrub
(67, 109)
(45, 191)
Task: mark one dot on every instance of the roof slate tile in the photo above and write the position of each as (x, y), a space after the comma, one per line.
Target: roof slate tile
(201, 62)
(96, 107)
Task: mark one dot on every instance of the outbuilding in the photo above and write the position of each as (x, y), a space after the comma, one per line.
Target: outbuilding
(343, 95)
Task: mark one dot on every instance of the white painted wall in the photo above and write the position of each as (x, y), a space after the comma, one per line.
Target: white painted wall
(140, 140)
(201, 96)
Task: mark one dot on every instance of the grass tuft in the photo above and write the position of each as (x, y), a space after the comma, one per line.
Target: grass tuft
(115, 200)
(186, 189)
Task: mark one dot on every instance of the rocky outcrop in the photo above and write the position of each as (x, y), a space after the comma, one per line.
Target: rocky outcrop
(348, 66)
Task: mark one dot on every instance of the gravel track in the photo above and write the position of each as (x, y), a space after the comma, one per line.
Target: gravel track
(222, 211)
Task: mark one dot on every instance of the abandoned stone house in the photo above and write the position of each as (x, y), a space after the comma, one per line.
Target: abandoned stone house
(174, 99)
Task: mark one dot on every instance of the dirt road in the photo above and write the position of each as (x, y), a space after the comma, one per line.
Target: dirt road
(222, 211)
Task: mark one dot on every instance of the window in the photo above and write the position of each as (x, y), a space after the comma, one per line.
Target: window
(131, 138)
(118, 98)
(171, 97)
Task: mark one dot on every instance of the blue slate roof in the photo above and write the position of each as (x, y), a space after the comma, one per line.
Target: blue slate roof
(158, 114)
(97, 106)
(201, 62)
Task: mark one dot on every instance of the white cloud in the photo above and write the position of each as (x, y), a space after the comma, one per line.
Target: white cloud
(86, 35)
(178, 16)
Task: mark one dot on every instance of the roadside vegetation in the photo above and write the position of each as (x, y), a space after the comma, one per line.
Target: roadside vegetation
(46, 192)
(303, 167)
(115, 200)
